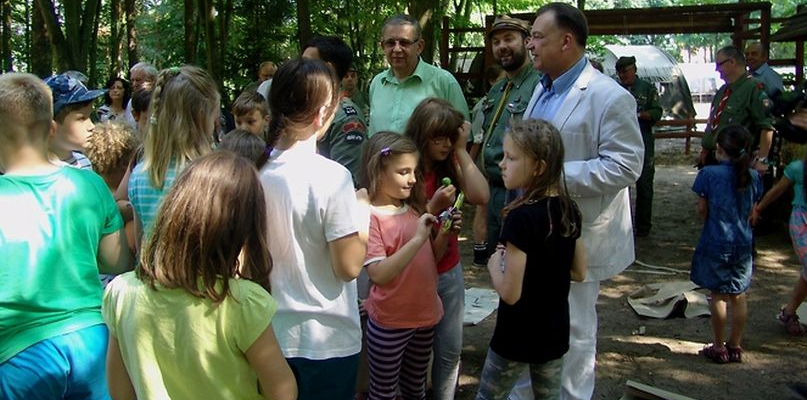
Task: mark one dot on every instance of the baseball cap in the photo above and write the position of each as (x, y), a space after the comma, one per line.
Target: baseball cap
(504, 22)
(69, 90)
(625, 62)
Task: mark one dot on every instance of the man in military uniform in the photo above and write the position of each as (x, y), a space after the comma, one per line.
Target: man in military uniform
(506, 101)
(344, 140)
(648, 111)
(352, 89)
(741, 100)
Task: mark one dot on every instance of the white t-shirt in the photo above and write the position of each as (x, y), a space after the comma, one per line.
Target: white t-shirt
(310, 201)
(128, 114)
(264, 88)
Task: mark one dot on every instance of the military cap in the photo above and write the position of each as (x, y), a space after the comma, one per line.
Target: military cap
(625, 62)
(504, 22)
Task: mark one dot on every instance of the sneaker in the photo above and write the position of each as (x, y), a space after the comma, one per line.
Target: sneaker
(792, 324)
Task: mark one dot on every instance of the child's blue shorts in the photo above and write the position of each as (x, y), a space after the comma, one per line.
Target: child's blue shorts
(69, 366)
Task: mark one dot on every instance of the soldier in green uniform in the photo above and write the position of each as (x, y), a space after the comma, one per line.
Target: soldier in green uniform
(741, 100)
(344, 140)
(648, 111)
(506, 101)
(351, 87)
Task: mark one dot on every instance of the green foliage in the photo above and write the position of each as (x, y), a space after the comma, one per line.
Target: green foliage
(266, 30)
(19, 56)
(159, 33)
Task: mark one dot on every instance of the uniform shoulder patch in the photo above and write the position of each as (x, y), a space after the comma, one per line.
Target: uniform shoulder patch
(349, 110)
(354, 132)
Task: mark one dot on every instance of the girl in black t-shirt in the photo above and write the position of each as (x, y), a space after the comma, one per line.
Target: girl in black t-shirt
(539, 252)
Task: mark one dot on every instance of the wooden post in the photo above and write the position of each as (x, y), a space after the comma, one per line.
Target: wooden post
(444, 45)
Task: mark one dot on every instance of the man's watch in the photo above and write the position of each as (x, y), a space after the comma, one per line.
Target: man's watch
(762, 160)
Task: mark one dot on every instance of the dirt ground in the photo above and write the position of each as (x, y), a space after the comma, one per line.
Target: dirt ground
(665, 356)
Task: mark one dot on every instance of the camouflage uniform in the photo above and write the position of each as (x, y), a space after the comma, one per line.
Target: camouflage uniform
(345, 138)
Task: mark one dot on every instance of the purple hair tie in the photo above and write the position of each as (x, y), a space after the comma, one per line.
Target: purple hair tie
(386, 151)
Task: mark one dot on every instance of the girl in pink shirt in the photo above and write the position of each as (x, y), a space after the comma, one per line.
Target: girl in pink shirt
(404, 242)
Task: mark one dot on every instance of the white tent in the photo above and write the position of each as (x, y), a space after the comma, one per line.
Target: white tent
(661, 69)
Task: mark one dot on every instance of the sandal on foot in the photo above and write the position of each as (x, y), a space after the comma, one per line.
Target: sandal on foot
(719, 355)
(792, 324)
(735, 353)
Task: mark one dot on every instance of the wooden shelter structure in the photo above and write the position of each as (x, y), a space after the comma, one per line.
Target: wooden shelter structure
(744, 21)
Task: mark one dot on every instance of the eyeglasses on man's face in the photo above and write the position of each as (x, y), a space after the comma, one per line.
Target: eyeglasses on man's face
(719, 64)
(404, 43)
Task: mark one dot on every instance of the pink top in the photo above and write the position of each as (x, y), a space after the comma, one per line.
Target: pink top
(451, 257)
(410, 299)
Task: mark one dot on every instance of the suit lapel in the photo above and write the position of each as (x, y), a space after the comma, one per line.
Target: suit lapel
(539, 88)
(573, 98)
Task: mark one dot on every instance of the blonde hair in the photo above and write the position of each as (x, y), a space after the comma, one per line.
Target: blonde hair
(180, 128)
(26, 109)
(111, 146)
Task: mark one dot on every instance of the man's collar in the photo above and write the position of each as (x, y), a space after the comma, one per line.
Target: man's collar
(418, 72)
(566, 79)
(521, 75)
(761, 69)
(738, 81)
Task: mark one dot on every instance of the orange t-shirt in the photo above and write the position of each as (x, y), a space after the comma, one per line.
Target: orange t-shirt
(410, 300)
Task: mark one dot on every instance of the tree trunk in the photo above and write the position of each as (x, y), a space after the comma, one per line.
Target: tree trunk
(41, 52)
(93, 52)
(131, 32)
(79, 27)
(581, 4)
(115, 35)
(225, 15)
(190, 32)
(8, 64)
(303, 22)
(64, 57)
(211, 48)
(429, 14)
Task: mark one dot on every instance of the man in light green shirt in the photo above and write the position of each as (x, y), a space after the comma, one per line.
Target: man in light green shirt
(395, 92)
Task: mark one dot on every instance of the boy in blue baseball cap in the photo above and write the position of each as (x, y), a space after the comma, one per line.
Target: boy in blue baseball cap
(72, 106)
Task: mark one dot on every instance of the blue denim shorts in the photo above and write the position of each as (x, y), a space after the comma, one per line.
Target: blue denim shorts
(69, 366)
(724, 269)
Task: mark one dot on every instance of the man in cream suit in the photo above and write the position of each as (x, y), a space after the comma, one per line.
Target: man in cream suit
(604, 154)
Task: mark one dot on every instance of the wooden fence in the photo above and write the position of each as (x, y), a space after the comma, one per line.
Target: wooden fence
(687, 133)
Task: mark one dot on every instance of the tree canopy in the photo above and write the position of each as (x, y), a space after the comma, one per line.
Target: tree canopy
(230, 38)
